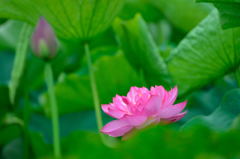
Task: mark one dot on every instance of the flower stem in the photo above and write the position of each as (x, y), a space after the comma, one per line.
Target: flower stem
(94, 88)
(108, 141)
(54, 110)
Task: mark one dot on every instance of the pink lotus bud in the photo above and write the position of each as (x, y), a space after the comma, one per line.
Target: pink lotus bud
(140, 108)
(44, 42)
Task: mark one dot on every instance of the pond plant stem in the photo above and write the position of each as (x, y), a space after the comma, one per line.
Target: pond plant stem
(94, 91)
(54, 110)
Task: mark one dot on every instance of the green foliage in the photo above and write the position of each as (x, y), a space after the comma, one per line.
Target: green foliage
(8, 134)
(71, 19)
(222, 118)
(141, 50)
(237, 74)
(19, 61)
(207, 53)
(9, 34)
(149, 11)
(194, 143)
(13, 149)
(6, 61)
(229, 12)
(5, 103)
(178, 11)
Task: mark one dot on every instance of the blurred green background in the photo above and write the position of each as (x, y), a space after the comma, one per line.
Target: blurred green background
(194, 45)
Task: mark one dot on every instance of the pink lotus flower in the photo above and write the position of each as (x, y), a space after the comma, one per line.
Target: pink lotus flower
(140, 108)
